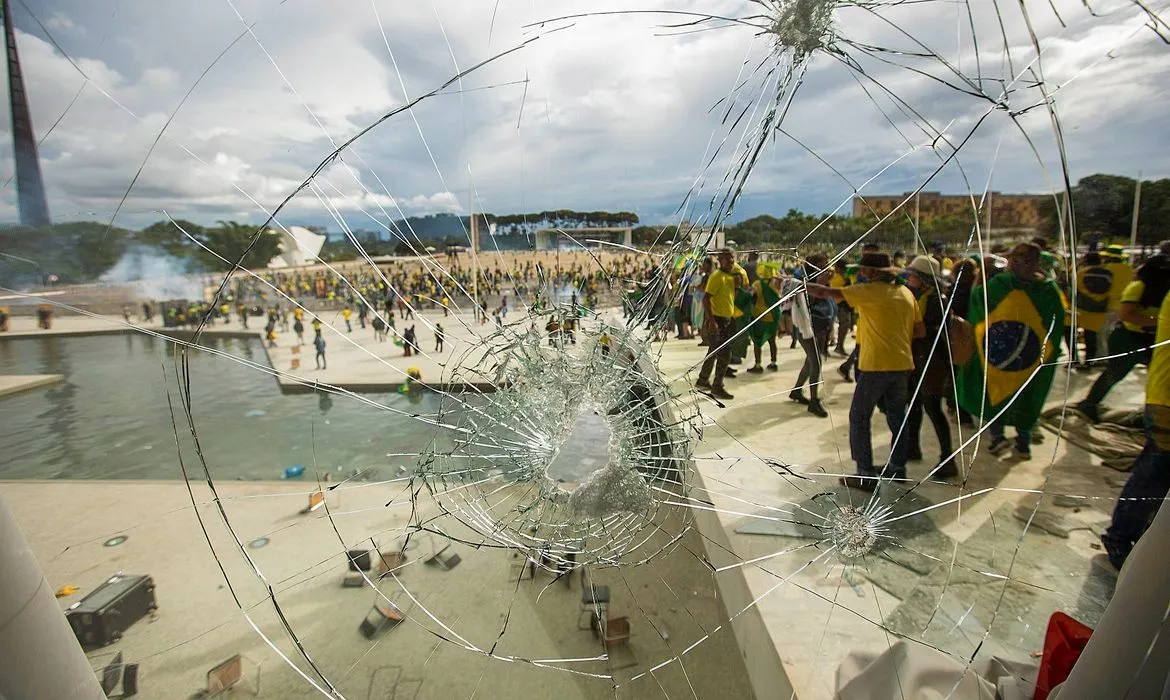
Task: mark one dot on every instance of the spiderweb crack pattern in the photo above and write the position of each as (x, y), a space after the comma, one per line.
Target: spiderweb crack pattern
(483, 480)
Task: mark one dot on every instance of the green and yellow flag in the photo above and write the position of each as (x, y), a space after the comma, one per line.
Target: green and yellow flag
(1093, 288)
(1017, 336)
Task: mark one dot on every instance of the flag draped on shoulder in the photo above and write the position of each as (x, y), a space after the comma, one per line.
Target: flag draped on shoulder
(1018, 327)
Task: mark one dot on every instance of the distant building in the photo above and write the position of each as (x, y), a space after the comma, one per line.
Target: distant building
(1007, 210)
(701, 235)
(298, 246)
(550, 238)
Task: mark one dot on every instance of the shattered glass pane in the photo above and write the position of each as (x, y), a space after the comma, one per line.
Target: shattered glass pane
(496, 474)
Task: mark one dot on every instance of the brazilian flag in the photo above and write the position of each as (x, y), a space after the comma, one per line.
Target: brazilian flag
(764, 327)
(744, 301)
(1020, 330)
(1093, 285)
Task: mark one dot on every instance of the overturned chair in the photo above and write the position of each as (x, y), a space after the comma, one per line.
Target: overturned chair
(440, 554)
(237, 671)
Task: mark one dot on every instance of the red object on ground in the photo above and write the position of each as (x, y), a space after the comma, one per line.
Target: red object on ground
(1063, 643)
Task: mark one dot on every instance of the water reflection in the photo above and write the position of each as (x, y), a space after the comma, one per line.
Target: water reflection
(111, 418)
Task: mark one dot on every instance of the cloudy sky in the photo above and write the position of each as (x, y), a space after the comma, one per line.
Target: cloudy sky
(618, 112)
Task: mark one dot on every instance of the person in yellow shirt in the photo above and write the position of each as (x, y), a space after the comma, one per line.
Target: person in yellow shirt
(1129, 343)
(719, 320)
(1149, 481)
(889, 320)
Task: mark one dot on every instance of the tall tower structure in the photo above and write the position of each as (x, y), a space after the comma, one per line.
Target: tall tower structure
(30, 188)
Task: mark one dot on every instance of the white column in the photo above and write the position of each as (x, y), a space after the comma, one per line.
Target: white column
(39, 654)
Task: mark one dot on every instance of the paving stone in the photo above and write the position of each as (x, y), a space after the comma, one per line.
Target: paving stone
(1004, 586)
(1049, 521)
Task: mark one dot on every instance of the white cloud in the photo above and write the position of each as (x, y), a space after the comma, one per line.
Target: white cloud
(59, 21)
(611, 112)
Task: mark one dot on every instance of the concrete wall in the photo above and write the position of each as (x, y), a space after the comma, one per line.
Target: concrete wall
(765, 669)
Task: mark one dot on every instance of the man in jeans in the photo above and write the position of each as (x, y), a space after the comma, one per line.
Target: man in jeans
(888, 321)
(1149, 481)
(719, 321)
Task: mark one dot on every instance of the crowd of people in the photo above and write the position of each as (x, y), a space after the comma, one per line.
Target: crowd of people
(408, 285)
(979, 337)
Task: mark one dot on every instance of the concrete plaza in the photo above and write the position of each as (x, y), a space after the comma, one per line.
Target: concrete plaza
(960, 569)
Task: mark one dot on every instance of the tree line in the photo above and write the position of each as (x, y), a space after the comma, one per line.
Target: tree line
(1102, 209)
(82, 251)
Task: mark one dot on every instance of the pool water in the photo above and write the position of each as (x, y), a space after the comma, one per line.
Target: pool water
(111, 419)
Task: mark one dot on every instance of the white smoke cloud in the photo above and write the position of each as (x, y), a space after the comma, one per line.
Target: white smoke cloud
(157, 275)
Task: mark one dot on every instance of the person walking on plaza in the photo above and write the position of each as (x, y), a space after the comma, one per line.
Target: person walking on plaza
(316, 326)
(719, 321)
(1149, 480)
(346, 313)
(742, 317)
(888, 321)
(1018, 323)
(931, 381)
(299, 329)
(439, 337)
(408, 344)
(765, 316)
(1130, 341)
(319, 345)
(812, 319)
(844, 311)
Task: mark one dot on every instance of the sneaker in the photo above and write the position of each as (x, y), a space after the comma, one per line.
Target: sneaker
(756, 370)
(719, 393)
(815, 408)
(1037, 436)
(1000, 447)
(773, 367)
(797, 396)
(844, 372)
(729, 373)
(1022, 455)
(702, 384)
